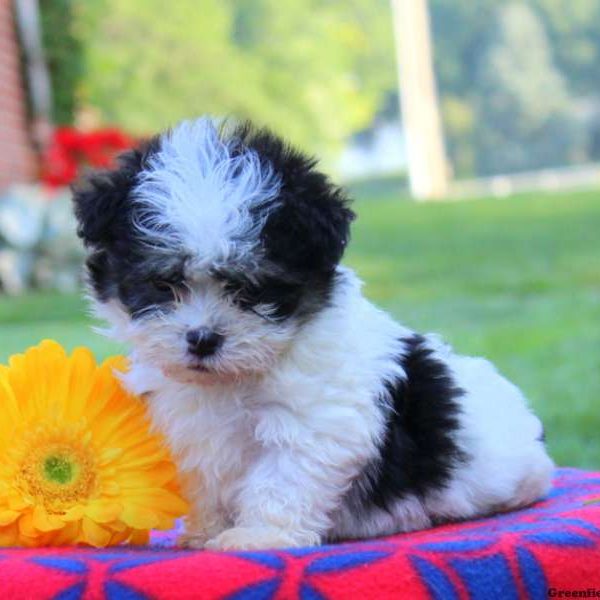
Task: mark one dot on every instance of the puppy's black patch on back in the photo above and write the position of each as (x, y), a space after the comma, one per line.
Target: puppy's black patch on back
(419, 451)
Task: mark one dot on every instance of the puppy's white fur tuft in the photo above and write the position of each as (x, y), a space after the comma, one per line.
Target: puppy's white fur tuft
(198, 191)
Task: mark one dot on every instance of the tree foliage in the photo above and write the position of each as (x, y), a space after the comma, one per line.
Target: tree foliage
(573, 30)
(319, 71)
(64, 55)
(509, 73)
(314, 70)
(522, 98)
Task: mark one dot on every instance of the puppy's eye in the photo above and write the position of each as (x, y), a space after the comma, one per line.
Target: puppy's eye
(161, 285)
(166, 285)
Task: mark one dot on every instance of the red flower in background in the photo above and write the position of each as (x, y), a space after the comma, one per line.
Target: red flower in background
(70, 150)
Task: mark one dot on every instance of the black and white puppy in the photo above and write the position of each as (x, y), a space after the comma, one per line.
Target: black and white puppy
(297, 411)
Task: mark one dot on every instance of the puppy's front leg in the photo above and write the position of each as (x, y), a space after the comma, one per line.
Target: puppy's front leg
(206, 518)
(287, 497)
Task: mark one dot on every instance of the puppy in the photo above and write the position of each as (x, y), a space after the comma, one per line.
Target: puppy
(297, 411)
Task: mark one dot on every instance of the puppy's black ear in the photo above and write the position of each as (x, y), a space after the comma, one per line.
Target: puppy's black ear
(100, 197)
(309, 230)
(309, 226)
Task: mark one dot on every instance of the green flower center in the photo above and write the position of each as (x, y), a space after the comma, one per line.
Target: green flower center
(59, 469)
(57, 474)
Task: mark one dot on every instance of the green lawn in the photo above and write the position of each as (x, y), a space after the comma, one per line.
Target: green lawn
(516, 280)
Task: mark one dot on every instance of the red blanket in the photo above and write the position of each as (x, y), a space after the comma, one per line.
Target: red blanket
(543, 551)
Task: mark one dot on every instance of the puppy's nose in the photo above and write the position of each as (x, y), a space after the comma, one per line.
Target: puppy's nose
(203, 341)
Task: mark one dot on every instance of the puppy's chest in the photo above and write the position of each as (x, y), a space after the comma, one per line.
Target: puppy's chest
(214, 432)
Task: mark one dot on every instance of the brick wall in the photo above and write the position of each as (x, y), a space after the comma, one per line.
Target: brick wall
(17, 157)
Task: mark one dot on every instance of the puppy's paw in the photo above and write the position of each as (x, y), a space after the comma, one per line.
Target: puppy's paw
(260, 538)
(192, 541)
(199, 530)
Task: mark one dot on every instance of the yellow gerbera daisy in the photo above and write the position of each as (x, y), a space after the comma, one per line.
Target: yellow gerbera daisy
(78, 463)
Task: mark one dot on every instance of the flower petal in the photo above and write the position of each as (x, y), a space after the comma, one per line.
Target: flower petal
(17, 503)
(44, 521)
(26, 526)
(95, 534)
(75, 513)
(8, 516)
(160, 499)
(139, 537)
(139, 517)
(103, 512)
(9, 535)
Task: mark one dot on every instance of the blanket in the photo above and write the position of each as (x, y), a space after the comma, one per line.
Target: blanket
(551, 549)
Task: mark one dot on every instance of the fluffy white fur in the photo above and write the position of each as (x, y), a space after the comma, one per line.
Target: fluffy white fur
(273, 432)
(266, 461)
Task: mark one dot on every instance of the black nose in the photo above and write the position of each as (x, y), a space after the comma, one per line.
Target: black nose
(203, 341)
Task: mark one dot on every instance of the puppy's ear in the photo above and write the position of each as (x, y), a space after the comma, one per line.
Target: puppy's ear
(100, 197)
(309, 224)
(309, 229)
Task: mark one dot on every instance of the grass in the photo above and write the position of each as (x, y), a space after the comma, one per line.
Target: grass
(516, 280)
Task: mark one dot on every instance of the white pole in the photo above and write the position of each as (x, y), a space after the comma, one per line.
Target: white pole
(427, 165)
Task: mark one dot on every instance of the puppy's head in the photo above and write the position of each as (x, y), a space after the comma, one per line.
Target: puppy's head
(209, 247)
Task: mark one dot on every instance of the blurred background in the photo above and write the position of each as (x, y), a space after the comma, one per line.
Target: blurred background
(467, 132)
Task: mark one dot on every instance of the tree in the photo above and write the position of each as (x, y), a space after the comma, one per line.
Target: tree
(460, 32)
(465, 30)
(63, 54)
(315, 71)
(572, 27)
(522, 106)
